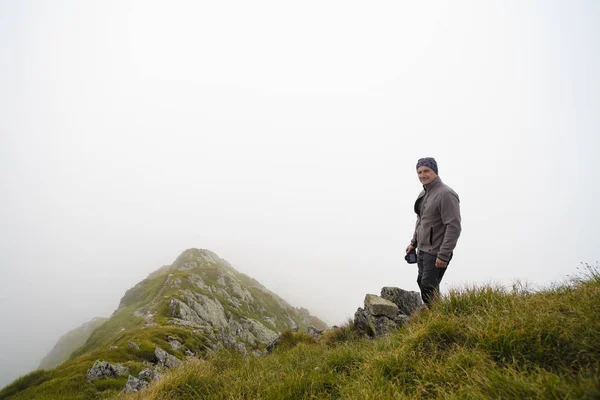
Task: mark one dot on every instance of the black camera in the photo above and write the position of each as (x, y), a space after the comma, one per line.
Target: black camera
(411, 257)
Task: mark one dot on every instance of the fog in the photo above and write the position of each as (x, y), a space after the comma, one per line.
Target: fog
(284, 137)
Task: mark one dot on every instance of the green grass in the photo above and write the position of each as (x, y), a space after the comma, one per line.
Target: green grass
(68, 380)
(143, 292)
(475, 343)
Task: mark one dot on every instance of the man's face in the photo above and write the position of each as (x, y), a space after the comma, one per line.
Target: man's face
(426, 174)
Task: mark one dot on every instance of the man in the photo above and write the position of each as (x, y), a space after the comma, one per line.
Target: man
(437, 229)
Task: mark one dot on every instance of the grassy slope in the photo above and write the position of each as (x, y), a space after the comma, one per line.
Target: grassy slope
(477, 343)
(70, 342)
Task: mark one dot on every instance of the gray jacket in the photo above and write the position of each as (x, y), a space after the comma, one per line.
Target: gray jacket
(438, 220)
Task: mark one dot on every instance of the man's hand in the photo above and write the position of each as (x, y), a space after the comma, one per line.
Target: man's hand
(440, 264)
(409, 248)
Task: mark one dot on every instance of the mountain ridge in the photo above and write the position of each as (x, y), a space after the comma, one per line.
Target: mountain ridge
(192, 308)
(69, 342)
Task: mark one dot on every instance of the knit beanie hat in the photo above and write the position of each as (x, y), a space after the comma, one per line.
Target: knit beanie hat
(428, 162)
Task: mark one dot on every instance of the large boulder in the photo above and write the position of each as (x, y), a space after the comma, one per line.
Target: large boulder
(379, 306)
(407, 301)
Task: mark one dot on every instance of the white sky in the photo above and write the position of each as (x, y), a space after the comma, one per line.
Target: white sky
(283, 136)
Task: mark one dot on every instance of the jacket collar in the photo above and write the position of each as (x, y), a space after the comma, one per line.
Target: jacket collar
(435, 183)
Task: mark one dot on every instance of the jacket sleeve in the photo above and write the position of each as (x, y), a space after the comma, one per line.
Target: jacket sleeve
(450, 214)
(413, 241)
(417, 209)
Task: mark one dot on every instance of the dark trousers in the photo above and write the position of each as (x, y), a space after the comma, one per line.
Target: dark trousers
(429, 277)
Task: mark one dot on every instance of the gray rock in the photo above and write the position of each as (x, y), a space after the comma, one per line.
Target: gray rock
(236, 290)
(104, 369)
(121, 370)
(407, 302)
(134, 345)
(261, 332)
(175, 344)
(379, 306)
(364, 322)
(290, 322)
(188, 265)
(311, 330)
(272, 346)
(383, 314)
(207, 309)
(376, 325)
(148, 375)
(241, 348)
(230, 342)
(165, 359)
(149, 320)
(401, 319)
(221, 277)
(134, 385)
(383, 325)
(247, 330)
(189, 353)
(197, 280)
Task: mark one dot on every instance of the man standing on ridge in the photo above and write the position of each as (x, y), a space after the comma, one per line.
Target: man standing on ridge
(437, 229)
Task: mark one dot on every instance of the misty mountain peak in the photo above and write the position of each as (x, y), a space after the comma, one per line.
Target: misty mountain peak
(192, 258)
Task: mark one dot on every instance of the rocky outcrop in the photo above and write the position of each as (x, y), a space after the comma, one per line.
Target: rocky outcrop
(230, 309)
(104, 369)
(134, 385)
(165, 359)
(148, 375)
(382, 314)
(262, 334)
(199, 309)
(141, 382)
